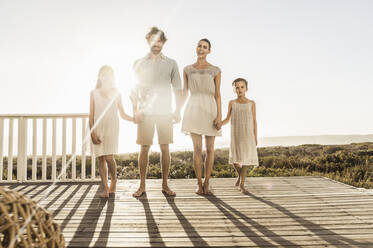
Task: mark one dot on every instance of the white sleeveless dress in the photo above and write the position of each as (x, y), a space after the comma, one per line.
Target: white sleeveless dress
(201, 109)
(107, 128)
(243, 146)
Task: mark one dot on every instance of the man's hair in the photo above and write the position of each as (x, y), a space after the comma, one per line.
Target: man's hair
(208, 42)
(239, 80)
(156, 31)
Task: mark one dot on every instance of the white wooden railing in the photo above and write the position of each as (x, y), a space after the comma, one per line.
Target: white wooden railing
(23, 147)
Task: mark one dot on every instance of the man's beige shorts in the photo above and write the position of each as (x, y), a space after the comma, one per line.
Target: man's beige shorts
(164, 126)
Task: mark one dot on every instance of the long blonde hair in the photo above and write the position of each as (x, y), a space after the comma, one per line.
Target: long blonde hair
(107, 84)
(107, 87)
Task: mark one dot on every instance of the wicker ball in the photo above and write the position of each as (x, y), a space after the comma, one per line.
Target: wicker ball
(41, 231)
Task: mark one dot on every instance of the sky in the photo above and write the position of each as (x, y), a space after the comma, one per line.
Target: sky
(308, 63)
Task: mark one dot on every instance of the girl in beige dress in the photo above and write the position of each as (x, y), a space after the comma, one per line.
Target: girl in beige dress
(105, 104)
(244, 139)
(202, 115)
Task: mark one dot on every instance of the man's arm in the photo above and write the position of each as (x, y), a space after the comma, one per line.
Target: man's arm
(178, 91)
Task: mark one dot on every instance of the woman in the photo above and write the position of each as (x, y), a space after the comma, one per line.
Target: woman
(202, 115)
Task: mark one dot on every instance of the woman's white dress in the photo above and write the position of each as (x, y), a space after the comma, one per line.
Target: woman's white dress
(243, 146)
(201, 109)
(107, 128)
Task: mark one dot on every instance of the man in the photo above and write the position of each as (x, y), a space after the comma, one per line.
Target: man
(152, 105)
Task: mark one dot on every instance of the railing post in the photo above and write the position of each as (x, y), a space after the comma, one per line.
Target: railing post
(1, 148)
(44, 151)
(84, 147)
(73, 150)
(34, 149)
(63, 148)
(54, 160)
(10, 150)
(22, 149)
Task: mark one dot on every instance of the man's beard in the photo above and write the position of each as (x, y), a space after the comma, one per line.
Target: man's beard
(156, 50)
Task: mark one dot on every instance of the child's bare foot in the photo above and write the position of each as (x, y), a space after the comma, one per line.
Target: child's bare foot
(167, 191)
(238, 181)
(139, 192)
(207, 190)
(243, 189)
(199, 190)
(113, 186)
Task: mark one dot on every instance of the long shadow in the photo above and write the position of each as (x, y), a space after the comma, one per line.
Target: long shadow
(318, 230)
(67, 199)
(73, 209)
(13, 186)
(90, 220)
(40, 191)
(193, 235)
(105, 230)
(28, 191)
(260, 241)
(153, 230)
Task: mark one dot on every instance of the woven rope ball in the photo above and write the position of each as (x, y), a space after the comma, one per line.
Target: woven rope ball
(40, 231)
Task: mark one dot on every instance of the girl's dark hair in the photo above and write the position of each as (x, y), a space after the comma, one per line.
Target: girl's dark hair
(239, 80)
(156, 31)
(208, 42)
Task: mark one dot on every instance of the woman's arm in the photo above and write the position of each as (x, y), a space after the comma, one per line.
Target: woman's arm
(255, 124)
(226, 120)
(217, 121)
(122, 113)
(96, 140)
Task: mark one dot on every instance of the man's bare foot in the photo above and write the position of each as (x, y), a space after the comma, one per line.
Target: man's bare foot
(243, 189)
(238, 181)
(199, 190)
(113, 186)
(139, 192)
(167, 191)
(207, 190)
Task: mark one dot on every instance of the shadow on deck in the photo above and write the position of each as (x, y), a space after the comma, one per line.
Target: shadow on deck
(278, 212)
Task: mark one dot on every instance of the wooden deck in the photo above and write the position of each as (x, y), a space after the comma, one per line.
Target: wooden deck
(278, 212)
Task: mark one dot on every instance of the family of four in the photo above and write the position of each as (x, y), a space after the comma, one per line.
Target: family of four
(157, 77)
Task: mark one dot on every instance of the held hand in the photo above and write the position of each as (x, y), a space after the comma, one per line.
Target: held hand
(138, 118)
(95, 139)
(176, 117)
(217, 123)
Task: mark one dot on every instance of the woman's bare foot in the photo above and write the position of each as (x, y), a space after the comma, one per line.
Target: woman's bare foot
(207, 190)
(139, 192)
(199, 190)
(243, 189)
(113, 186)
(105, 193)
(167, 191)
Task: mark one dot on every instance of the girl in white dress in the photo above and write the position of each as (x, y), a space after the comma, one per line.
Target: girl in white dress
(242, 113)
(105, 103)
(202, 115)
